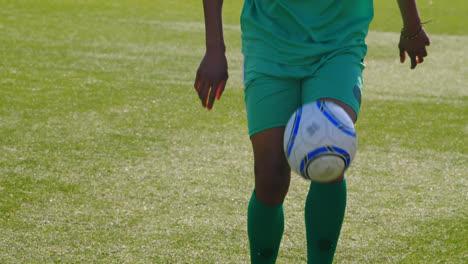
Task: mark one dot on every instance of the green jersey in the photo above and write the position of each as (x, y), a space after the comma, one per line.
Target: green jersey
(298, 32)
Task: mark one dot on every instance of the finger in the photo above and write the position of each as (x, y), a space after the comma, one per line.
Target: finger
(211, 98)
(402, 55)
(197, 85)
(420, 59)
(203, 91)
(205, 103)
(215, 94)
(413, 61)
(220, 90)
(423, 53)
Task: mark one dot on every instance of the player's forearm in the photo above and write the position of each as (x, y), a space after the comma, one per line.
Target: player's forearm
(410, 15)
(213, 24)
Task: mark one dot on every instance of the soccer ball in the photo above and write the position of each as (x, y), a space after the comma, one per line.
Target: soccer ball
(320, 141)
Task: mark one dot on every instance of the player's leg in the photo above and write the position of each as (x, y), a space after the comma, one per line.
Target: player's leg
(270, 102)
(265, 212)
(272, 172)
(326, 203)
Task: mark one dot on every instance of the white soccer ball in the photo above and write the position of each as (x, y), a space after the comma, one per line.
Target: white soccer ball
(320, 141)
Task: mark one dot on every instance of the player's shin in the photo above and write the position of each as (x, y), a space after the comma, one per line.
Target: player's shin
(324, 214)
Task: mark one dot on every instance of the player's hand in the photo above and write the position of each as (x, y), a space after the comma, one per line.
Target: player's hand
(211, 77)
(416, 48)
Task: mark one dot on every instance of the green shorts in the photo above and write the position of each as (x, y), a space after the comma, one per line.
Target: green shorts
(274, 91)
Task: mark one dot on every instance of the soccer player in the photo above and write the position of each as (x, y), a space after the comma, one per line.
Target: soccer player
(295, 52)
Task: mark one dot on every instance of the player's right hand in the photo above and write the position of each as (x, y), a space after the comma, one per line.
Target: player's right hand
(212, 75)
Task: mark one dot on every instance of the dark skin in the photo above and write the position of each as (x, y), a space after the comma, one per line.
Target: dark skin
(415, 48)
(212, 73)
(272, 172)
(211, 77)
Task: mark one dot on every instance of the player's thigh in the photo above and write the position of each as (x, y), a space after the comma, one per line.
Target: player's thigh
(339, 79)
(270, 101)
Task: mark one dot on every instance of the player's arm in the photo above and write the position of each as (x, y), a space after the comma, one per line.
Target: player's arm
(413, 39)
(212, 73)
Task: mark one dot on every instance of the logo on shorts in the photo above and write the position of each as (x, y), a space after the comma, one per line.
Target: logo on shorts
(357, 94)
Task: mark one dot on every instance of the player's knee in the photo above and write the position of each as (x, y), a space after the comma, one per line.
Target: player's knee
(348, 109)
(272, 183)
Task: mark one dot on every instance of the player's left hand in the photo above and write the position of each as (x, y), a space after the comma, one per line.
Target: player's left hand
(416, 48)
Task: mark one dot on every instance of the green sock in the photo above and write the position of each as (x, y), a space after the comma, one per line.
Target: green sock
(265, 225)
(324, 214)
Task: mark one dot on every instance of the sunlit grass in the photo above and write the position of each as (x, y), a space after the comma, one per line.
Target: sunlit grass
(107, 157)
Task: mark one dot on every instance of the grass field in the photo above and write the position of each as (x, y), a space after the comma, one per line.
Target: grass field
(107, 157)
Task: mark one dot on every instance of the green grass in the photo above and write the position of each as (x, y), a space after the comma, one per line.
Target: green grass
(447, 17)
(107, 157)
